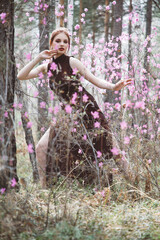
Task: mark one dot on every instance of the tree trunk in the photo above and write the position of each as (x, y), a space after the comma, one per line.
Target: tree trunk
(106, 21)
(43, 89)
(70, 21)
(57, 19)
(80, 29)
(148, 32)
(62, 17)
(130, 40)
(28, 131)
(116, 31)
(7, 90)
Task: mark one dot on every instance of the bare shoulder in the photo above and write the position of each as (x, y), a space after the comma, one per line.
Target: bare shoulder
(75, 63)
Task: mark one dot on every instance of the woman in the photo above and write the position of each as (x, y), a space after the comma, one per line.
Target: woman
(64, 80)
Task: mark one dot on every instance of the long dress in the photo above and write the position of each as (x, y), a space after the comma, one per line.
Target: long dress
(81, 141)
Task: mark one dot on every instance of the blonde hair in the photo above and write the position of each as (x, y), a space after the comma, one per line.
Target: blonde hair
(56, 32)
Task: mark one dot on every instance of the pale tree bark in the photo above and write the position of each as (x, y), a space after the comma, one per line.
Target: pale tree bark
(116, 31)
(130, 39)
(43, 45)
(80, 29)
(70, 21)
(148, 32)
(106, 21)
(63, 11)
(28, 131)
(8, 160)
(57, 19)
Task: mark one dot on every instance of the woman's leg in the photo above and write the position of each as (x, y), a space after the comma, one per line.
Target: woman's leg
(41, 153)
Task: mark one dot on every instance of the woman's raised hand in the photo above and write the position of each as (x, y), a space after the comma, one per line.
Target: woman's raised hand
(122, 83)
(47, 54)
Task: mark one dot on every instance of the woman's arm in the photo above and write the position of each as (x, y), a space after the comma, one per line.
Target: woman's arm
(75, 63)
(28, 72)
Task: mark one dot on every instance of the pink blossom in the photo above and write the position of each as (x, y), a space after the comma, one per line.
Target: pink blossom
(30, 148)
(118, 106)
(85, 137)
(28, 56)
(97, 125)
(53, 66)
(114, 2)
(6, 114)
(80, 89)
(115, 151)
(86, 9)
(107, 8)
(68, 109)
(42, 104)
(29, 124)
(70, 6)
(101, 164)
(3, 190)
(77, 27)
(35, 94)
(95, 114)
(73, 100)
(85, 98)
(42, 129)
(80, 151)
(3, 16)
(13, 182)
(123, 125)
(149, 161)
(26, 114)
(126, 140)
(31, 19)
(20, 123)
(103, 193)
(99, 154)
(41, 75)
(20, 105)
(50, 109)
(140, 104)
(49, 74)
(83, 15)
(56, 109)
(75, 71)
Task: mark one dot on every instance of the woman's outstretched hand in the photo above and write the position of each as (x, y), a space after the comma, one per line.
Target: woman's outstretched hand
(47, 54)
(122, 83)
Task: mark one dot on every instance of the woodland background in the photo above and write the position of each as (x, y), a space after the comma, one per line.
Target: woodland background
(114, 39)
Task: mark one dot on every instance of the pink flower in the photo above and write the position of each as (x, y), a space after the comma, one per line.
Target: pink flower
(26, 114)
(118, 106)
(56, 109)
(49, 74)
(115, 151)
(103, 193)
(50, 109)
(53, 66)
(80, 151)
(123, 125)
(80, 89)
(140, 104)
(149, 161)
(114, 2)
(75, 71)
(20, 123)
(29, 124)
(40, 75)
(85, 98)
(3, 190)
(107, 8)
(13, 182)
(77, 27)
(30, 148)
(42, 104)
(6, 114)
(97, 125)
(31, 19)
(126, 140)
(101, 164)
(95, 114)
(85, 137)
(99, 154)
(28, 56)
(86, 9)
(70, 6)
(74, 98)
(68, 109)
(35, 94)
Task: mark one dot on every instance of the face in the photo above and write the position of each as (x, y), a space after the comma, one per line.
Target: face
(60, 43)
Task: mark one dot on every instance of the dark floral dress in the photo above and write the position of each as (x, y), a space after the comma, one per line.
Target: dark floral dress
(84, 140)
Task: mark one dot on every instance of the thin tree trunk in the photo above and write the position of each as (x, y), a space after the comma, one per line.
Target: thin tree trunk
(43, 89)
(7, 90)
(70, 21)
(106, 21)
(80, 29)
(116, 31)
(130, 39)
(28, 131)
(62, 17)
(57, 19)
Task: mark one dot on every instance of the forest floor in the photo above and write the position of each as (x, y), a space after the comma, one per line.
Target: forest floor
(70, 211)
